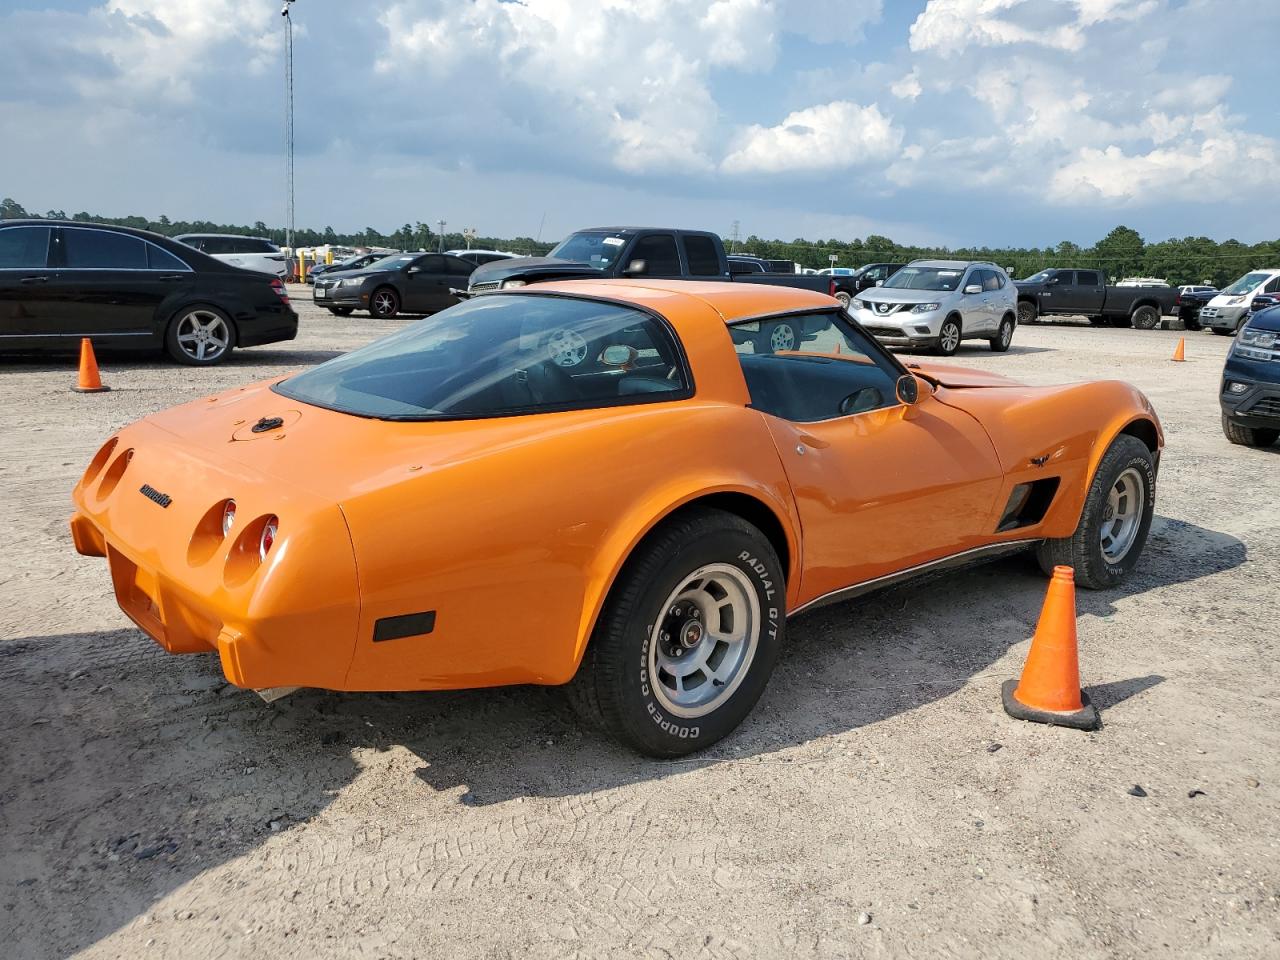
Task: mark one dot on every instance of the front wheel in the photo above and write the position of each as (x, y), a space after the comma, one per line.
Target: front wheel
(1146, 318)
(687, 638)
(1000, 342)
(949, 337)
(1115, 520)
(844, 298)
(1248, 436)
(200, 336)
(384, 304)
(1027, 312)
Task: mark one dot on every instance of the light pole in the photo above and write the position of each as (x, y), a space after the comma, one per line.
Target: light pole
(440, 224)
(288, 124)
(469, 234)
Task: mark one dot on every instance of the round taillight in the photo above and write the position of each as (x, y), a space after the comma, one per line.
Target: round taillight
(268, 537)
(228, 517)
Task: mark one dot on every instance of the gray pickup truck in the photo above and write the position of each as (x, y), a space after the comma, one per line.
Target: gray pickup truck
(1085, 293)
(633, 253)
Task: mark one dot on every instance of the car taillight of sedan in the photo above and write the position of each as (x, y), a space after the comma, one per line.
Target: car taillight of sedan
(281, 292)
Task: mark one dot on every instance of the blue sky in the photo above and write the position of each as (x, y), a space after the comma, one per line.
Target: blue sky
(951, 122)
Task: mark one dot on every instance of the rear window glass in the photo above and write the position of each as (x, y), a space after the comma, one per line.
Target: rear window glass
(24, 247)
(501, 355)
(100, 250)
(158, 259)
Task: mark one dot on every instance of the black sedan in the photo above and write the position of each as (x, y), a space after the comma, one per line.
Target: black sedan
(123, 288)
(358, 262)
(403, 282)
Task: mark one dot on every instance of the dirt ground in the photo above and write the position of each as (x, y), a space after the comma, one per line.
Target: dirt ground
(878, 803)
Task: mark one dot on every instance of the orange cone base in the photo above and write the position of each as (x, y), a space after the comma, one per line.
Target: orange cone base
(1086, 718)
(90, 389)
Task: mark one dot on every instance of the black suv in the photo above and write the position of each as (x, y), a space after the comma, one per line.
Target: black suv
(1250, 394)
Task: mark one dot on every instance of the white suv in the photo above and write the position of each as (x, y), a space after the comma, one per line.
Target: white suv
(938, 303)
(251, 253)
(1226, 312)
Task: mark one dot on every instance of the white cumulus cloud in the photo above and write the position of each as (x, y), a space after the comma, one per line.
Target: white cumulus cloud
(832, 136)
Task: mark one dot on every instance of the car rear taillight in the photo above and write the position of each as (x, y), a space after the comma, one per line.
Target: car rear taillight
(280, 291)
(228, 517)
(831, 289)
(268, 537)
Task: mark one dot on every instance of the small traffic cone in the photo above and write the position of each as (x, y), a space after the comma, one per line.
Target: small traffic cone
(1049, 691)
(89, 382)
(1180, 351)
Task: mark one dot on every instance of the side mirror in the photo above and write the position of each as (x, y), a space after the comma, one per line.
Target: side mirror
(908, 390)
(413, 270)
(879, 283)
(636, 267)
(618, 355)
(973, 288)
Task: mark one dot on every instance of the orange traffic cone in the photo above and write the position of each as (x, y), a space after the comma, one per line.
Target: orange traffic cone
(89, 382)
(1180, 351)
(1049, 691)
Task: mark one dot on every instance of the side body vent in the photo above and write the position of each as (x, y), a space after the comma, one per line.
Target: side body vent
(1028, 503)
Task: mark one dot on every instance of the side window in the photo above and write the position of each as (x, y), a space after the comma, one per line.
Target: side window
(100, 250)
(658, 251)
(214, 245)
(703, 259)
(457, 267)
(1273, 286)
(877, 273)
(22, 248)
(810, 367)
(250, 245)
(1088, 278)
(434, 263)
(991, 280)
(976, 276)
(158, 259)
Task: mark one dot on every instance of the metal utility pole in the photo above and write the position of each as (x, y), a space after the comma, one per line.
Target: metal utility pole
(440, 224)
(288, 124)
(733, 239)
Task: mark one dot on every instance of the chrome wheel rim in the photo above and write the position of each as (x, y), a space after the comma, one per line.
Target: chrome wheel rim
(950, 337)
(844, 299)
(704, 641)
(1121, 515)
(782, 338)
(567, 348)
(383, 302)
(1006, 333)
(203, 335)
(1025, 312)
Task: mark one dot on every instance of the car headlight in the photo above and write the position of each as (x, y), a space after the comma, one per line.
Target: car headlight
(508, 284)
(351, 281)
(857, 304)
(1234, 300)
(1237, 388)
(924, 307)
(1258, 338)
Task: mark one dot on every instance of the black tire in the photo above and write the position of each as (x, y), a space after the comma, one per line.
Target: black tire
(384, 303)
(780, 335)
(614, 689)
(341, 311)
(947, 345)
(1097, 321)
(1145, 317)
(1192, 324)
(1004, 336)
(1027, 312)
(1120, 323)
(1223, 333)
(184, 324)
(1248, 436)
(1083, 549)
(844, 297)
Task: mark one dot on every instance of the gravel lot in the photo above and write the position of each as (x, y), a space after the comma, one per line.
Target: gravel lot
(877, 804)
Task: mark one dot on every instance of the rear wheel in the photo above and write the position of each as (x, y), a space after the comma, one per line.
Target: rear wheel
(341, 311)
(1115, 520)
(200, 336)
(1004, 336)
(844, 298)
(1248, 436)
(1146, 318)
(777, 337)
(1027, 312)
(384, 303)
(687, 638)
(949, 337)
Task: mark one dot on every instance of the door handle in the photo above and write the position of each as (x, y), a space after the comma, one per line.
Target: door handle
(174, 276)
(34, 280)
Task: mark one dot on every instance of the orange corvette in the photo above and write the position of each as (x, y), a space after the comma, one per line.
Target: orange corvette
(629, 485)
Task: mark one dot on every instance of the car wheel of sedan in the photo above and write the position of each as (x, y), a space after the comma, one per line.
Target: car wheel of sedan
(1146, 318)
(384, 304)
(200, 336)
(687, 638)
(776, 338)
(341, 311)
(1115, 520)
(1027, 312)
(1248, 436)
(949, 337)
(1000, 342)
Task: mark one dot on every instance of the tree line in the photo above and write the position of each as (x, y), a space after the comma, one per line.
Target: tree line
(1121, 253)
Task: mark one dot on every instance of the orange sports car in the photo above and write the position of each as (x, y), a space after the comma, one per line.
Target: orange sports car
(626, 486)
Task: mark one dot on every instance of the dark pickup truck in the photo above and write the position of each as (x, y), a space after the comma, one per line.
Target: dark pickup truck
(633, 253)
(1083, 292)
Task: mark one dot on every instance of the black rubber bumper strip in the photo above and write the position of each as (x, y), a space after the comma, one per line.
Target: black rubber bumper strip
(407, 625)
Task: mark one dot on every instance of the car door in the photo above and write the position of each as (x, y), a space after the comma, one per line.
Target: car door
(24, 281)
(1089, 292)
(458, 271)
(425, 284)
(880, 486)
(105, 286)
(978, 309)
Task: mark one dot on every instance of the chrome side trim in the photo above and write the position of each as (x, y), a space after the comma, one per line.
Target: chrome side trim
(989, 552)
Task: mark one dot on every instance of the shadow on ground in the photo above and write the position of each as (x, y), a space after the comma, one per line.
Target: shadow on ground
(144, 360)
(127, 772)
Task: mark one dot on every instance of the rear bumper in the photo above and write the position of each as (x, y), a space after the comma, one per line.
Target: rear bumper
(271, 328)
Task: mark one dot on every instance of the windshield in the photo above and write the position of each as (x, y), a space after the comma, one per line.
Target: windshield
(925, 278)
(393, 262)
(1040, 277)
(1246, 283)
(597, 249)
(501, 355)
